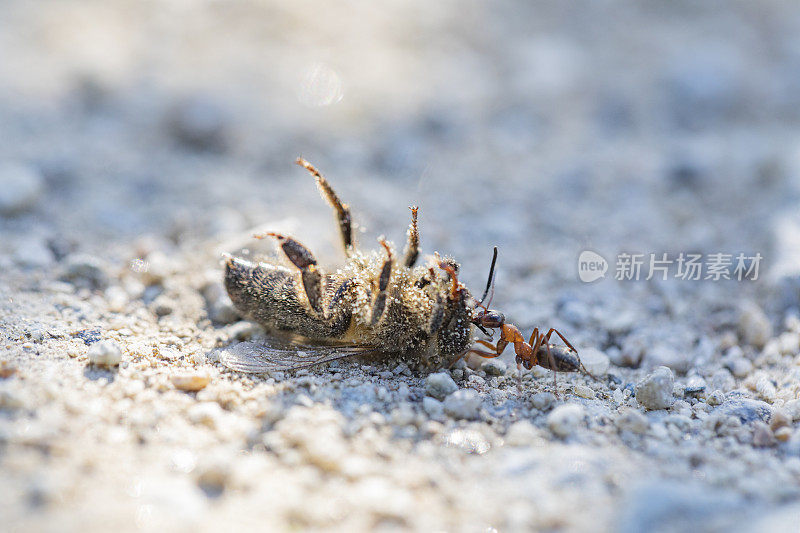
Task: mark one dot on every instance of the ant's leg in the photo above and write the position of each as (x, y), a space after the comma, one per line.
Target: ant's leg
(302, 258)
(342, 210)
(383, 283)
(412, 249)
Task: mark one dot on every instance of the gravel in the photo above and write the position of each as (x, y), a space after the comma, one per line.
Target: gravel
(144, 164)
(463, 404)
(565, 420)
(105, 353)
(655, 391)
(440, 385)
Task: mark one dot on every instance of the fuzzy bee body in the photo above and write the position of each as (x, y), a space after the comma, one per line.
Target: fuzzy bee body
(418, 319)
(374, 304)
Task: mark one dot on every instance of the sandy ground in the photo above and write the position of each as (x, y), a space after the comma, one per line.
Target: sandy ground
(140, 140)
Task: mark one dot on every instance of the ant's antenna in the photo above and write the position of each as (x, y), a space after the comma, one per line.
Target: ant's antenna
(490, 281)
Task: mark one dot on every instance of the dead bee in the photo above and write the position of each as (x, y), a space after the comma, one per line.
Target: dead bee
(374, 304)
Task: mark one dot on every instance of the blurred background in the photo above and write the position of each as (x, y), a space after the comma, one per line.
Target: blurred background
(539, 127)
(135, 130)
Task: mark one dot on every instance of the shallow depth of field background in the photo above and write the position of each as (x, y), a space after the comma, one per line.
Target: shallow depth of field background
(543, 128)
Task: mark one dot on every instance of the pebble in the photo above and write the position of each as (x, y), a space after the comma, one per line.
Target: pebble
(219, 306)
(190, 382)
(595, 361)
(745, 409)
(762, 435)
(754, 326)
(783, 434)
(583, 391)
(542, 400)
(565, 419)
(655, 391)
(440, 385)
(433, 407)
(463, 404)
(779, 419)
(741, 367)
(632, 420)
(22, 187)
(715, 398)
(494, 367)
(105, 353)
(83, 270)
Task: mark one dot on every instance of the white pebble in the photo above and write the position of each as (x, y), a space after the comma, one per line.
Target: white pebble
(655, 391)
(754, 326)
(105, 353)
(440, 385)
(190, 382)
(565, 419)
(433, 407)
(583, 391)
(494, 367)
(463, 404)
(595, 361)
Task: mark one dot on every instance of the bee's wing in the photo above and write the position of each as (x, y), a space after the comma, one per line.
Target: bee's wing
(277, 355)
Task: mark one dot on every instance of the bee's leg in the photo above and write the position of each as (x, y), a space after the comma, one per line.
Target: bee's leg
(342, 210)
(412, 248)
(437, 316)
(383, 283)
(337, 305)
(303, 259)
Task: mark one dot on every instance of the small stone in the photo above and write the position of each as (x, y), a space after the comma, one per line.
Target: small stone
(494, 367)
(440, 385)
(463, 404)
(583, 391)
(595, 362)
(542, 400)
(105, 353)
(116, 298)
(762, 435)
(779, 419)
(22, 186)
(190, 382)
(792, 408)
(655, 391)
(722, 380)
(783, 434)
(766, 389)
(745, 409)
(433, 407)
(715, 398)
(741, 367)
(632, 420)
(84, 270)
(754, 326)
(565, 419)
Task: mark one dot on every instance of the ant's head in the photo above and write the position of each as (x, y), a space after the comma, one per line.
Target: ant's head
(488, 318)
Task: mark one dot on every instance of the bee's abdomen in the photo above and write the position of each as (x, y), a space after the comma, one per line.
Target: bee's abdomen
(268, 294)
